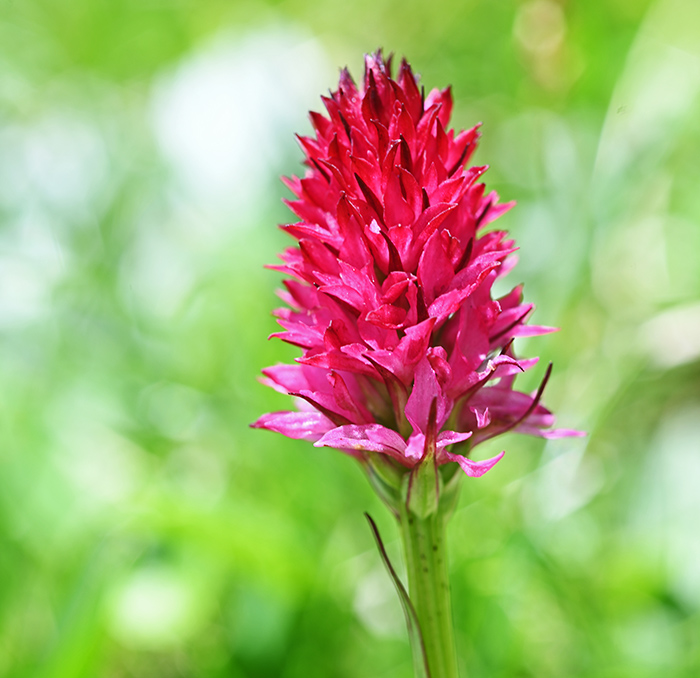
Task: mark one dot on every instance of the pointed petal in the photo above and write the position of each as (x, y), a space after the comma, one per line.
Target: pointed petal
(434, 268)
(367, 438)
(426, 388)
(286, 378)
(298, 425)
(474, 469)
(451, 437)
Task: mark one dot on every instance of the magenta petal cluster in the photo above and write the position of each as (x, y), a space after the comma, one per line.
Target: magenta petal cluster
(389, 292)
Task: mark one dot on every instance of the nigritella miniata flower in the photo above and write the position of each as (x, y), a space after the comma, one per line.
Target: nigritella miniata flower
(405, 352)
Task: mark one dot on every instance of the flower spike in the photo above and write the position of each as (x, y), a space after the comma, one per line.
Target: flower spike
(405, 352)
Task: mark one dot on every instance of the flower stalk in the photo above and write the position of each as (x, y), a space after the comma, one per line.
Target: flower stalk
(429, 588)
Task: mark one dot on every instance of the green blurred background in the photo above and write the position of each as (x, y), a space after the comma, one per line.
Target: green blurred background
(146, 531)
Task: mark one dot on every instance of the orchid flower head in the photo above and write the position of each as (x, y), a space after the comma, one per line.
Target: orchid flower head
(404, 351)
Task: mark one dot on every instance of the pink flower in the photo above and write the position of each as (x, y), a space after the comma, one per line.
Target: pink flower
(405, 351)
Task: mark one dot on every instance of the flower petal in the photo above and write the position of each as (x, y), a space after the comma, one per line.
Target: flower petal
(367, 438)
(451, 437)
(474, 469)
(299, 425)
(427, 388)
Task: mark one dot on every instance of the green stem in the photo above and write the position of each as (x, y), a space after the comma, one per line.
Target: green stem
(429, 588)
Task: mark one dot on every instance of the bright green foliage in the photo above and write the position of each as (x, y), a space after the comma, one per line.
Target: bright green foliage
(146, 531)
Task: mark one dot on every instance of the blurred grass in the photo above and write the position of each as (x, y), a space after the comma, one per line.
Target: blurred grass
(145, 530)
